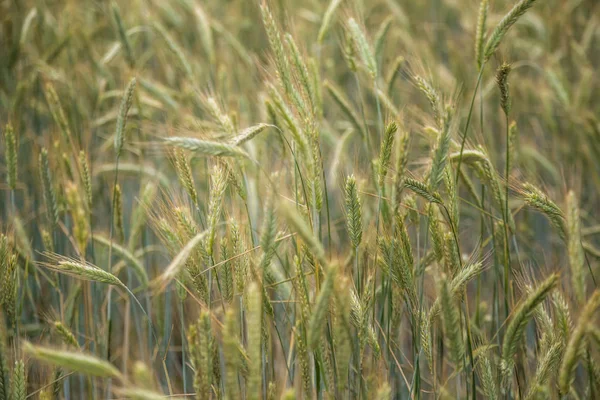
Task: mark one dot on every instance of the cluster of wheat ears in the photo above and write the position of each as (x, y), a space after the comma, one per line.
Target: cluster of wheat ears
(300, 199)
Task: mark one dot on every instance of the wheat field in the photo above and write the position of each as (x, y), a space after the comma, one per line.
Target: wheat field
(300, 199)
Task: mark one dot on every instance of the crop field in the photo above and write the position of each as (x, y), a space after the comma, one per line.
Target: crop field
(299, 199)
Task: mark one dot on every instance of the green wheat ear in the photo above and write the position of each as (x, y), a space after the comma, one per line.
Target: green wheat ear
(385, 153)
(480, 33)
(302, 72)
(202, 348)
(574, 347)
(10, 151)
(80, 270)
(118, 213)
(184, 173)
(575, 249)
(9, 287)
(48, 188)
(205, 28)
(122, 34)
(65, 334)
(521, 316)
(79, 362)
(126, 102)
(140, 213)
(248, 134)
(452, 324)
(220, 117)
(19, 381)
(393, 73)
(58, 113)
(179, 261)
(535, 198)
(86, 178)
(230, 350)
(432, 96)
(281, 56)
(254, 315)
(353, 212)
(402, 149)
(327, 20)
(564, 322)
(546, 366)
(4, 354)
(206, 147)
(381, 35)
(440, 151)
(79, 215)
(422, 190)
(363, 46)
(321, 308)
(502, 81)
(268, 235)
(504, 25)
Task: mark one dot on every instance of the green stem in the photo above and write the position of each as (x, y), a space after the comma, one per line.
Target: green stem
(109, 269)
(141, 308)
(507, 272)
(507, 173)
(183, 352)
